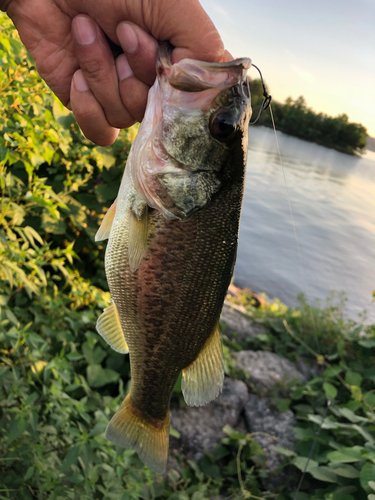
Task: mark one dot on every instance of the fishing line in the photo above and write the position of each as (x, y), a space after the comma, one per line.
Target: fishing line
(307, 297)
(302, 274)
(312, 450)
(267, 104)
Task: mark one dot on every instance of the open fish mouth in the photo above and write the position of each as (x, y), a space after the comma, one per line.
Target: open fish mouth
(190, 75)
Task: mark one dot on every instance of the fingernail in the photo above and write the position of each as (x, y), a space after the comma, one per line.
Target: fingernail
(80, 82)
(84, 30)
(123, 69)
(127, 37)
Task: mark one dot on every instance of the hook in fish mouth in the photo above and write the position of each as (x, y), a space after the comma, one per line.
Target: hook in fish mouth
(190, 75)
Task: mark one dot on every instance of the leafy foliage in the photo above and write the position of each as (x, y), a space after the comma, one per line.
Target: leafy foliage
(294, 117)
(338, 403)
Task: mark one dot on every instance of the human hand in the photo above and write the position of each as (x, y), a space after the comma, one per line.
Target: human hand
(66, 39)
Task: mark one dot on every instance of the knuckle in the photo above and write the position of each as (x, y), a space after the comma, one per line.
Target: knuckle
(122, 122)
(93, 70)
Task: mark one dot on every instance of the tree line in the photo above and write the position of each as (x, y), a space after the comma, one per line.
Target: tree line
(294, 117)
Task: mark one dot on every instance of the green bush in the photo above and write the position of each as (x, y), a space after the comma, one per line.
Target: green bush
(340, 399)
(60, 383)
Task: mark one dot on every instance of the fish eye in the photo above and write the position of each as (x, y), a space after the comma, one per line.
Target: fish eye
(222, 125)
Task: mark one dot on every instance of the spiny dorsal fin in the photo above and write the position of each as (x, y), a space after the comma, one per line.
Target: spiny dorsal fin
(202, 381)
(106, 225)
(109, 327)
(138, 230)
(149, 437)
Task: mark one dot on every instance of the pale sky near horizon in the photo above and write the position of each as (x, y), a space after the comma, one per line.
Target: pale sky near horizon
(323, 50)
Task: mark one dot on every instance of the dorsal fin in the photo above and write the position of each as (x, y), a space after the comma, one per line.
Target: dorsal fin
(109, 327)
(106, 225)
(202, 381)
(138, 230)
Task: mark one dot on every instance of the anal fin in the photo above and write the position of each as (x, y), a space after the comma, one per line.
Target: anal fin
(202, 381)
(106, 225)
(109, 327)
(149, 437)
(138, 231)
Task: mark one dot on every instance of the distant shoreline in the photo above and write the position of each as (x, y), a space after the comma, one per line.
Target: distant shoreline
(370, 146)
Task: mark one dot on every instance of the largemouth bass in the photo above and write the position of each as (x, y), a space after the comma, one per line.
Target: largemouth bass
(173, 234)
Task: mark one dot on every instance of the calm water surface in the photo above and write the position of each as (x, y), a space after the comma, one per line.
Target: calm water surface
(333, 202)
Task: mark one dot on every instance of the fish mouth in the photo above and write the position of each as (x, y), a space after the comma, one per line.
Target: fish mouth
(190, 75)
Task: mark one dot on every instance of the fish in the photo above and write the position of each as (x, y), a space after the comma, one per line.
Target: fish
(172, 241)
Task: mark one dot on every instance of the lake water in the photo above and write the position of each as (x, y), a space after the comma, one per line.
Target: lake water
(333, 201)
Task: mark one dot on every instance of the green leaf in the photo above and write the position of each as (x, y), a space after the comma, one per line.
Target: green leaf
(356, 392)
(98, 376)
(74, 356)
(302, 462)
(344, 470)
(369, 397)
(98, 428)
(283, 404)
(107, 158)
(70, 458)
(284, 451)
(51, 225)
(32, 234)
(353, 378)
(12, 318)
(346, 454)
(332, 371)
(323, 473)
(16, 429)
(29, 473)
(367, 475)
(94, 355)
(105, 192)
(174, 432)
(328, 423)
(367, 343)
(330, 390)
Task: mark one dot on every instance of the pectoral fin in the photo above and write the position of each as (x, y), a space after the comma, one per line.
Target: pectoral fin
(202, 381)
(138, 230)
(109, 327)
(106, 225)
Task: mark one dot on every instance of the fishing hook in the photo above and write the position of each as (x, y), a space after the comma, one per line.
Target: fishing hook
(267, 97)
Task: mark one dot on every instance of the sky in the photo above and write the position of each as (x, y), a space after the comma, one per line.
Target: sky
(323, 50)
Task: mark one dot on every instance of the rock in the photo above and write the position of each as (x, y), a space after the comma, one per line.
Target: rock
(279, 429)
(201, 427)
(309, 368)
(234, 321)
(266, 369)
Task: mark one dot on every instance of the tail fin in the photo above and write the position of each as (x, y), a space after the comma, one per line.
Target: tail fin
(130, 428)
